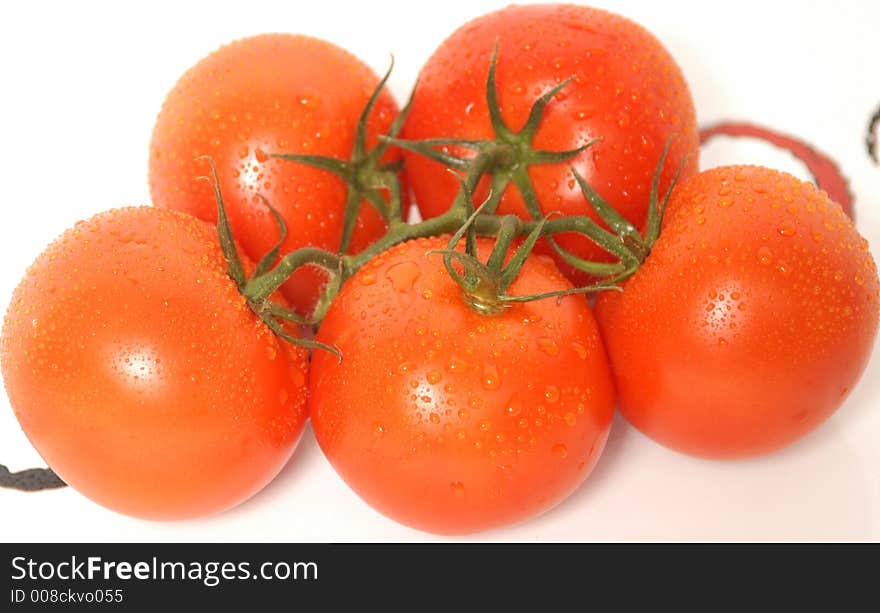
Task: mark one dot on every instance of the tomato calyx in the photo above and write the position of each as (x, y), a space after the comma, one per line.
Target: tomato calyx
(366, 176)
(266, 279)
(637, 246)
(510, 152)
(484, 285)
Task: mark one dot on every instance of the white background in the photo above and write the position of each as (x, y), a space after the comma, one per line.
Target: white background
(82, 83)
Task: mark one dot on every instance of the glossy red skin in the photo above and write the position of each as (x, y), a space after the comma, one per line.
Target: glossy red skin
(140, 374)
(273, 93)
(627, 90)
(451, 421)
(750, 321)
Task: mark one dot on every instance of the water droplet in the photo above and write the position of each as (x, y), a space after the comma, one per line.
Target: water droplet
(551, 394)
(427, 294)
(491, 379)
(368, 279)
(548, 346)
(579, 349)
(457, 488)
(456, 365)
(786, 230)
(435, 418)
(560, 451)
(570, 418)
(434, 377)
(513, 406)
(403, 275)
(765, 256)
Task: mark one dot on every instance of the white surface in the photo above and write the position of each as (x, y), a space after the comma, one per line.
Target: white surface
(83, 82)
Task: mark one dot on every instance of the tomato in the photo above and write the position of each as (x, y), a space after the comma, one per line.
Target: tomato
(140, 374)
(273, 93)
(749, 322)
(627, 90)
(452, 421)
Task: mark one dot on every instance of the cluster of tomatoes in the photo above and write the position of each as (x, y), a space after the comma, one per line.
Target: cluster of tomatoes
(459, 383)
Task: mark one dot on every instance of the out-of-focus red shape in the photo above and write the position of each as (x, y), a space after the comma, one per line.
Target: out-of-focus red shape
(871, 136)
(825, 171)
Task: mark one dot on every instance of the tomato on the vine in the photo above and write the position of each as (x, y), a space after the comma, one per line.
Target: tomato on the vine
(270, 94)
(141, 375)
(751, 319)
(450, 420)
(626, 90)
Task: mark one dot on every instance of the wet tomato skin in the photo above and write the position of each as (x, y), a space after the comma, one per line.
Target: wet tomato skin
(750, 321)
(272, 93)
(140, 374)
(627, 91)
(448, 420)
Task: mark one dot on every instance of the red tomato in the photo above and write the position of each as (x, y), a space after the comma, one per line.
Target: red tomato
(750, 321)
(274, 93)
(449, 420)
(627, 90)
(140, 374)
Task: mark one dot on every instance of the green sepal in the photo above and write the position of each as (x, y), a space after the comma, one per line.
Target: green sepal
(265, 263)
(224, 230)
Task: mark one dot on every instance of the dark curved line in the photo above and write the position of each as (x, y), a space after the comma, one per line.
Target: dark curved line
(871, 136)
(30, 480)
(821, 166)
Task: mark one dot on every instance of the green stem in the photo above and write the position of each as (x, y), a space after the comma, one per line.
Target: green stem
(260, 288)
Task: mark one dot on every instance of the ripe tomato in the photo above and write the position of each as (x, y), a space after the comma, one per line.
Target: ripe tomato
(140, 374)
(627, 90)
(750, 321)
(274, 93)
(452, 421)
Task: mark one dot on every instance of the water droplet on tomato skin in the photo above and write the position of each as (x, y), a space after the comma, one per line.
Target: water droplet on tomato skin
(560, 451)
(513, 407)
(579, 349)
(458, 489)
(548, 346)
(786, 230)
(403, 275)
(765, 256)
(491, 380)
